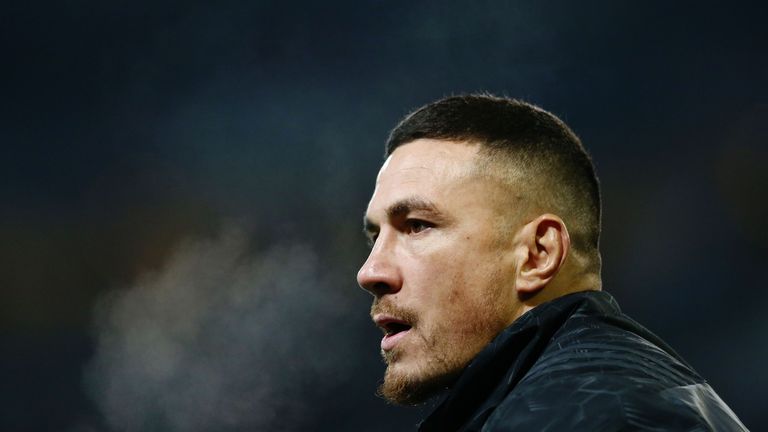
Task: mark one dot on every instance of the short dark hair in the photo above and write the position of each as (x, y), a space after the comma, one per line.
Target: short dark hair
(522, 134)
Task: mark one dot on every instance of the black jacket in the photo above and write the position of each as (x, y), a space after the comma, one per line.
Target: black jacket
(578, 364)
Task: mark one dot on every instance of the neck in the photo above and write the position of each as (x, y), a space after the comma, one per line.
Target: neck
(566, 282)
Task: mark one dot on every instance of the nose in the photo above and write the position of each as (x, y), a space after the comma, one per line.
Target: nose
(380, 275)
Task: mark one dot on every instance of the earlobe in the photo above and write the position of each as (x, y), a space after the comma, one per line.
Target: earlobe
(544, 245)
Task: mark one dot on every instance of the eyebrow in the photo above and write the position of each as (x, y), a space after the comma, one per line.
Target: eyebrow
(401, 208)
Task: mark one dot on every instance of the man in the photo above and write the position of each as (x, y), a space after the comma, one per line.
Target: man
(485, 271)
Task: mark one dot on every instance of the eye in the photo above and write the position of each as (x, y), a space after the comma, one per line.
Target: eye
(415, 226)
(372, 239)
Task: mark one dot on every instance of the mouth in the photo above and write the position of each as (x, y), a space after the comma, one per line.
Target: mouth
(394, 330)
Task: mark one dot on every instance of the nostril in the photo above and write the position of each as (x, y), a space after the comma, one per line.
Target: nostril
(378, 289)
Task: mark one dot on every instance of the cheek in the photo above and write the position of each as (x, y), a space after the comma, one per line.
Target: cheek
(454, 277)
(448, 271)
(476, 290)
(443, 282)
(428, 265)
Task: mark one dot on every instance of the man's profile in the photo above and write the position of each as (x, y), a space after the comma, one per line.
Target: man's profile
(485, 271)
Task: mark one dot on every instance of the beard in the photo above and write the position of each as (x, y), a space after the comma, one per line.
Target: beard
(412, 388)
(435, 355)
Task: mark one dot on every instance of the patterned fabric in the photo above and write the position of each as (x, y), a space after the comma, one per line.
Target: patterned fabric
(578, 364)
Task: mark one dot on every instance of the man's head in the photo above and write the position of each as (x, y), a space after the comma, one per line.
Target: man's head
(484, 208)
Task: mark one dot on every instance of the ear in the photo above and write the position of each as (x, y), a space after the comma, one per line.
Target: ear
(543, 244)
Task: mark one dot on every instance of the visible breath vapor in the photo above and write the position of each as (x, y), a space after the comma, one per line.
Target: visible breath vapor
(218, 340)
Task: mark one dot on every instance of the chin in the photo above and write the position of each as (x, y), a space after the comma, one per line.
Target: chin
(405, 385)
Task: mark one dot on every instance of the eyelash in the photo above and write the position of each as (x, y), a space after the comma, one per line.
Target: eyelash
(412, 226)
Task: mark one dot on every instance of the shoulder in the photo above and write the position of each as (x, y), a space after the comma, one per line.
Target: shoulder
(595, 402)
(598, 375)
(611, 348)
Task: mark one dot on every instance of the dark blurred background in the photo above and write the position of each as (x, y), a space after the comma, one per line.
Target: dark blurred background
(183, 185)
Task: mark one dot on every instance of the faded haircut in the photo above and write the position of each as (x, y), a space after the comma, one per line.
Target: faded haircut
(525, 142)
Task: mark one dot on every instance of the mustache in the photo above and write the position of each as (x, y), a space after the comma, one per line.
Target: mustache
(388, 308)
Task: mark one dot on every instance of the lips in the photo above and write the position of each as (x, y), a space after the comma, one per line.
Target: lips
(394, 330)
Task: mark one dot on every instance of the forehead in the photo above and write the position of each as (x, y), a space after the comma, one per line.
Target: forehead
(426, 168)
(431, 154)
